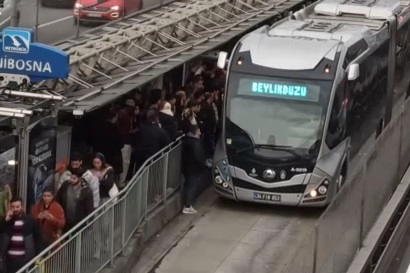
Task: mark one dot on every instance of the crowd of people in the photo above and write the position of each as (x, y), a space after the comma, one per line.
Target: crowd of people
(80, 191)
(139, 130)
(123, 141)
(143, 126)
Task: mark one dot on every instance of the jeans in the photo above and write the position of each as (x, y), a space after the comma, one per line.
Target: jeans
(190, 188)
(208, 143)
(136, 161)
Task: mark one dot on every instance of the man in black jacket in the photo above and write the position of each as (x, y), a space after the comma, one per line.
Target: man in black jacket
(152, 138)
(208, 117)
(194, 163)
(76, 198)
(21, 238)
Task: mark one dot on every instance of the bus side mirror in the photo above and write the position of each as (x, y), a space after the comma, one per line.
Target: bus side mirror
(353, 72)
(222, 59)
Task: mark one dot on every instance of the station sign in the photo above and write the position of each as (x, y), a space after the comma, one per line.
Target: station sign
(21, 55)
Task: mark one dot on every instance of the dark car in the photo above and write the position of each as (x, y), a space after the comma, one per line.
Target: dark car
(68, 4)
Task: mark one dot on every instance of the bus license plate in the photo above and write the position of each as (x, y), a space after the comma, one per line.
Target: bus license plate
(266, 197)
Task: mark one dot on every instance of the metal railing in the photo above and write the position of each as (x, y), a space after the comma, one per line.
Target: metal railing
(97, 240)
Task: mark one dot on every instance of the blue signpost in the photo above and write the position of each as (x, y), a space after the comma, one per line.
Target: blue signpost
(20, 55)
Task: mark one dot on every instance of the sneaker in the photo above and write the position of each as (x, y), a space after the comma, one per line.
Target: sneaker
(189, 210)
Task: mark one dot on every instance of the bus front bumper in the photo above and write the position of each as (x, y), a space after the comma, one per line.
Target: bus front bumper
(298, 191)
(271, 198)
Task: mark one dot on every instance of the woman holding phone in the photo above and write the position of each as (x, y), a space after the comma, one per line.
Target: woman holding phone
(49, 215)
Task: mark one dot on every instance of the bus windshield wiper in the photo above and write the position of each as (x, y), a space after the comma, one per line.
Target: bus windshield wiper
(288, 149)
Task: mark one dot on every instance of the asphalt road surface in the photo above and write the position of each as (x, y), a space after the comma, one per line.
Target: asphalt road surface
(55, 24)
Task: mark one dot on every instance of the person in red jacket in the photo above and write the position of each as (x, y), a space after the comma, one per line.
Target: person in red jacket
(49, 215)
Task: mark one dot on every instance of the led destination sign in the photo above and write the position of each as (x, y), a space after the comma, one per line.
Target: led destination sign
(279, 89)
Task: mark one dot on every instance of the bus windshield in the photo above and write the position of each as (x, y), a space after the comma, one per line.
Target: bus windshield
(281, 112)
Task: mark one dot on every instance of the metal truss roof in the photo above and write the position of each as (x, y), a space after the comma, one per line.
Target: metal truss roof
(112, 60)
(19, 104)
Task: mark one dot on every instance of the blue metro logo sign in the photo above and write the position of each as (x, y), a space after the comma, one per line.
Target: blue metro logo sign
(16, 40)
(21, 55)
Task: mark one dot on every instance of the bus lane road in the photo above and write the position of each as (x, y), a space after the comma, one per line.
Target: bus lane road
(55, 24)
(240, 238)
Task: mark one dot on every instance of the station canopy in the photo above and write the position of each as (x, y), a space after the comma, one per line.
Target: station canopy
(112, 60)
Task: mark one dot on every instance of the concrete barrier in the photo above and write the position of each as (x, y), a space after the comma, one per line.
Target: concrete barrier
(405, 135)
(364, 260)
(345, 223)
(339, 228)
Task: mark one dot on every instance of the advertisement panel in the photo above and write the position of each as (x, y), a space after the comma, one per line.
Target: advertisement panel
(42, 159)
(7, 171)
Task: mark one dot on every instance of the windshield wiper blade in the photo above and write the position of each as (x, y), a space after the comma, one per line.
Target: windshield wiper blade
(244, 149)
(273, 146)
(288, 149)
(265, 146)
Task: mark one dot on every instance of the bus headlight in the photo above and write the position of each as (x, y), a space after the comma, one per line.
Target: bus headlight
(222, 175)
(218, 179)
(322, 190)
(221, 169)
(313, 193)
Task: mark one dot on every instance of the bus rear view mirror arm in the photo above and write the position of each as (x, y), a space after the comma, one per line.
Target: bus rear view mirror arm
(222, 59)
(353, 72)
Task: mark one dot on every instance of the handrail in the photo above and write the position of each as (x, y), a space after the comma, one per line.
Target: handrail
(141, 169)
(109, 203)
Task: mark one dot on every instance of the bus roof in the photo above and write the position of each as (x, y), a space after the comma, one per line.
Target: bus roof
(315, 32)
(369, 9)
